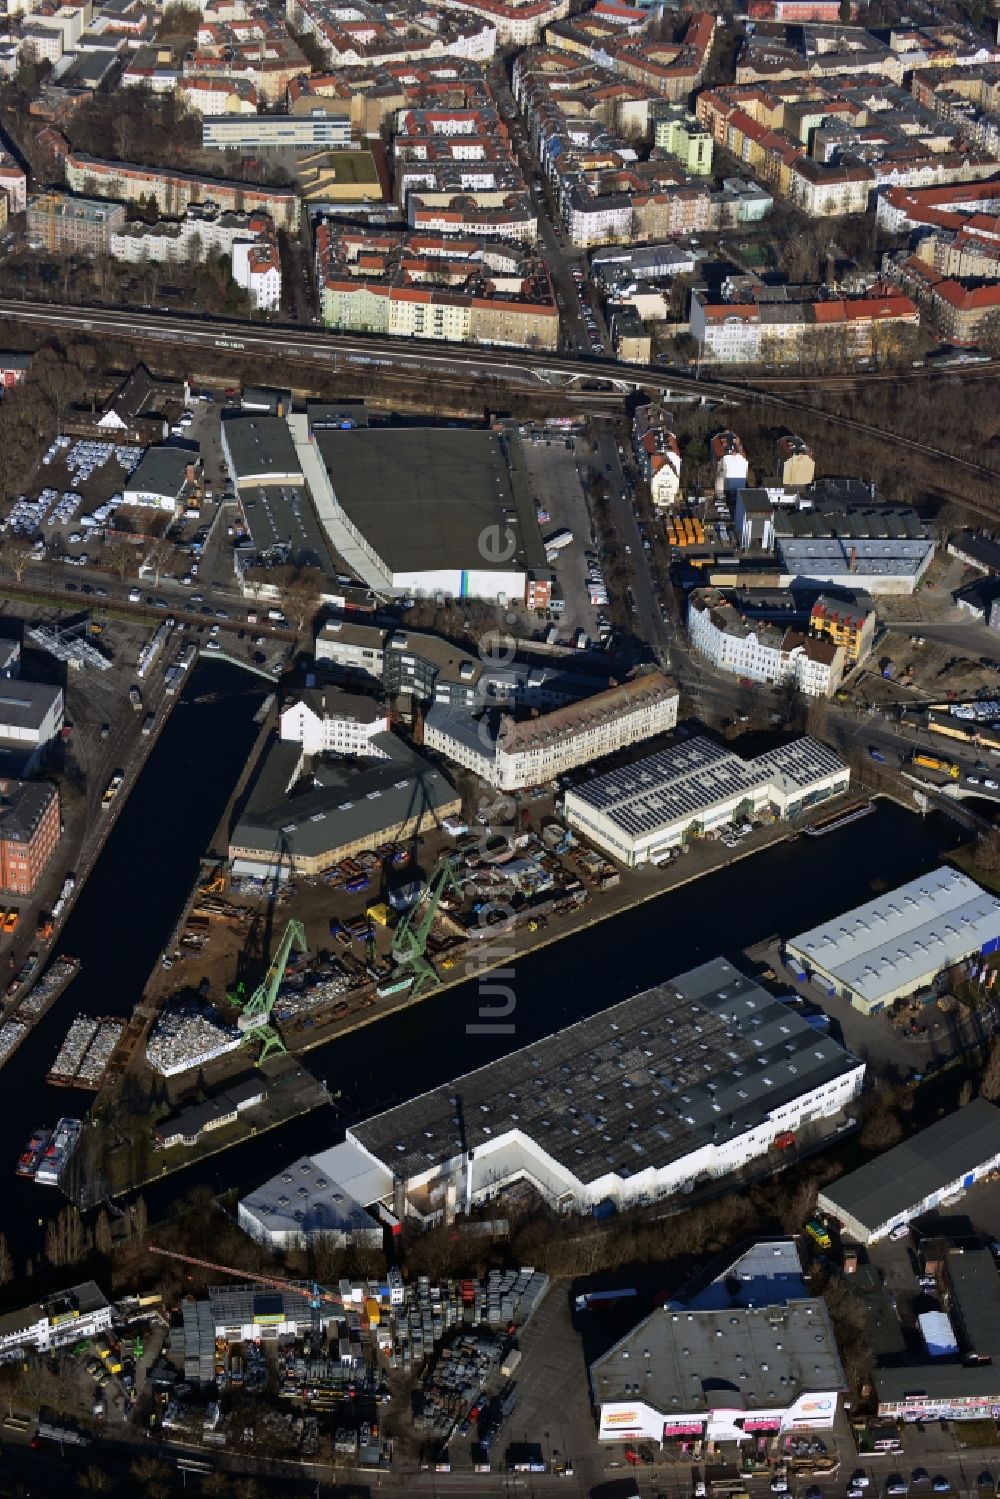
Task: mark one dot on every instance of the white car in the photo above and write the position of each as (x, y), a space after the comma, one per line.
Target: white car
(860, 1478)
(779, 1485)
(972, 780)
(992, 785)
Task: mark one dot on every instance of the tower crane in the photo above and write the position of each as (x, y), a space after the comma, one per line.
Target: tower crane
(316, 1295)
(409, 942)
(255, 1021)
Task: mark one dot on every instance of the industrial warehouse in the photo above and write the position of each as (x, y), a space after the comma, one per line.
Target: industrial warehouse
(723, 1376)
(438, 510)
(897, 944)
(686, 1081)
(917, 1175)
(343, 806)
(639, 813)
(320, 1196)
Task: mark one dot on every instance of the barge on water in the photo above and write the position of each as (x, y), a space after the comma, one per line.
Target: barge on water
(30, 1158)
(839, 818)
(85, 1054)
(57, 1153)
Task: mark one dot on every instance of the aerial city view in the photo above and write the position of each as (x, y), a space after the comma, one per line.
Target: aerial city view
(500, 749)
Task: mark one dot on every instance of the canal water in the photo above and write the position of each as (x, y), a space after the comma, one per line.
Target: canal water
(785, 889)
(127, 910)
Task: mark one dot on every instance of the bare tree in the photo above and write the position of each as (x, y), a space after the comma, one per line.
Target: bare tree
(102, 1233)
(6, 1262)
(989, 1083)
(58, 381)
(120, 557)
(301, 596)
(17, 552)
(157, 558)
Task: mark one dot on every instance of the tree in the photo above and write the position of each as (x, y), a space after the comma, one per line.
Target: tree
(152, 1477)
(301, 596)
(102, 1233)
(989, 1083)
(120, 557)
(157, 558)
(58, 381)
(6, 1262)
(95, 1478)
(17, 552)
(140, 1217)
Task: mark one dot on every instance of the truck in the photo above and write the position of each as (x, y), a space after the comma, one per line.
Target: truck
(934, 762)
(817, 1232)
(556, 540)
(603, 1301)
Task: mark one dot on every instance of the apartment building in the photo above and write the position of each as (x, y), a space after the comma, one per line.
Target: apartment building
(760, 651)
(203, 231)
(377, 91)
(218, 95)
(173, 191)
(29, 831)
(410, 285)
(63, 224)
(786, 326)
(658, 455)
(256, 268)
(796, 463)
(518, 23)
(672, 70)
(829, 143)
(682, 136)
(479, 215)
(582, 117)
(403, 32)
(510, 755)
(964, 313)
(849, 625)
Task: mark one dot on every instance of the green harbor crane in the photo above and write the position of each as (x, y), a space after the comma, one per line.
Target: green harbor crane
(409, 942)
(255, 1021)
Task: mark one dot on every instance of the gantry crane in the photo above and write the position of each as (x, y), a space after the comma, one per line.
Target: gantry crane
(409, 942)
(316, 1295)
(255, 1021)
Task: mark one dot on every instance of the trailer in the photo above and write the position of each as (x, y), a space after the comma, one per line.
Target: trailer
(603, 1301)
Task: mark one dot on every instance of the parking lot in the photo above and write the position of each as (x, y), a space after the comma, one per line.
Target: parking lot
(553, 473)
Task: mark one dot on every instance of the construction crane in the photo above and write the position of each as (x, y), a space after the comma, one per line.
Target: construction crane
(409, 942)
(316, 1295)
(255, 1021)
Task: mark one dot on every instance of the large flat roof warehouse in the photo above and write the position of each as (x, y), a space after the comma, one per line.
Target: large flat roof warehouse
(724, 1366)
(899, 942)
(435, 501)
(915, 1175)
(637, 811)
(697, 1074)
